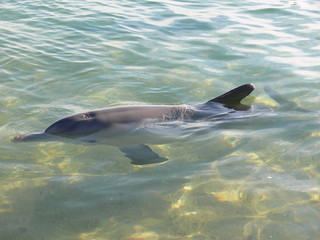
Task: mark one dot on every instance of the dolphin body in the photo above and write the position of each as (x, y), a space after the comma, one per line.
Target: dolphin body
(131, 127)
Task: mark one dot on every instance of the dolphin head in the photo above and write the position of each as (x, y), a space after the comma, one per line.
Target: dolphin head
(77, 125)
(33, 137)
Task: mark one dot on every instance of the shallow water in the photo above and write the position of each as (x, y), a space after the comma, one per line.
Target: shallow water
(256, 178)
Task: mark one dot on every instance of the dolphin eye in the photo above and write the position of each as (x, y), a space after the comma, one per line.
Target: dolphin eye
(88, 115)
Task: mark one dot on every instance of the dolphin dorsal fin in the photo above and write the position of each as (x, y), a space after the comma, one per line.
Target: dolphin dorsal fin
(234, 96)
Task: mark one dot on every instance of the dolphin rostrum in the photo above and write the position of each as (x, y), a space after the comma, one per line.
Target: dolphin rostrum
(131, 127)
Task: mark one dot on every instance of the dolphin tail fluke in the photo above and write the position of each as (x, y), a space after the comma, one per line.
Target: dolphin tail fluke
(141, 155)
(276, 96)
(284, 103)
(34, 137)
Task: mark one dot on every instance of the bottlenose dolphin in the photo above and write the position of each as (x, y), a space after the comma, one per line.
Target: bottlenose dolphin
(131, 127)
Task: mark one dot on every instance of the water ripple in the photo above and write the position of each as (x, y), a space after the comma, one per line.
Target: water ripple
(233, 180)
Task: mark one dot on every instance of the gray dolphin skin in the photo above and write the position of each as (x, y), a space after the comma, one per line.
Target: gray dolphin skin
(131, 127)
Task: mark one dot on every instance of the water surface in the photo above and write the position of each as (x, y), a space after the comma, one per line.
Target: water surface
(255, 179)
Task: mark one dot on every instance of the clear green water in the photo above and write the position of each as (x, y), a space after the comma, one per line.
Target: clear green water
(256, 179)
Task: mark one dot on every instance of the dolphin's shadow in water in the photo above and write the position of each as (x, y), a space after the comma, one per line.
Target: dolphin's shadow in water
(131, 127)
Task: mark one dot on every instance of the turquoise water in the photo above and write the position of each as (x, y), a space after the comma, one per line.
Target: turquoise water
(255, 179)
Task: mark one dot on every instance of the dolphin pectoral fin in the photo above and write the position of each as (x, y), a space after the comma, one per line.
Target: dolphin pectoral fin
(234, 97)
(141, 155)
